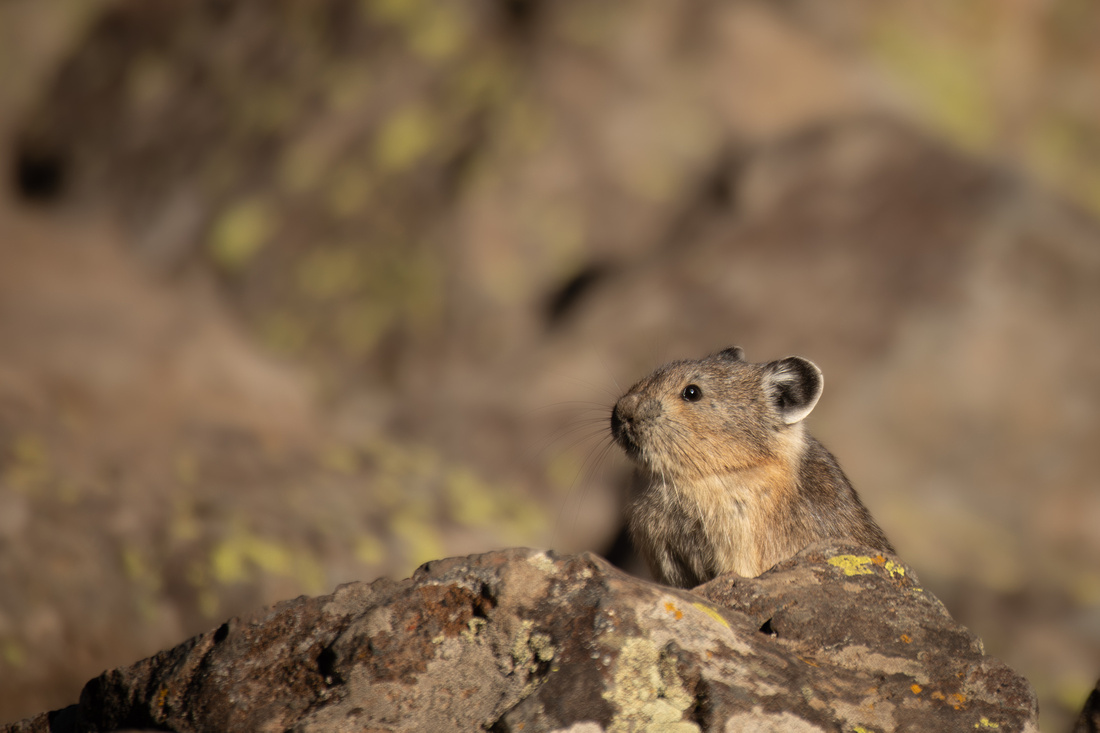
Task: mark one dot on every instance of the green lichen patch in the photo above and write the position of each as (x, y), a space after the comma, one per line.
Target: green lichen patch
(648, 693)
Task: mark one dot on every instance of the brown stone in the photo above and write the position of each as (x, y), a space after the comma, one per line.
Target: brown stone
(835, 638)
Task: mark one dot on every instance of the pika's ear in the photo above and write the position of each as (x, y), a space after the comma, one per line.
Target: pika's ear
(795, 385)
(733, 353)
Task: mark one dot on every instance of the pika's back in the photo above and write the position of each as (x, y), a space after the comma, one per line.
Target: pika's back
(728, 479)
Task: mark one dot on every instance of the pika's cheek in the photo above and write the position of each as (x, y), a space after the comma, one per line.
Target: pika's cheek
(697, 424)
(659, 432)
(652, 428)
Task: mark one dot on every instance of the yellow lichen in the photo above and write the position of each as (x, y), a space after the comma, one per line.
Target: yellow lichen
(474, 627)
(521, 652)
(712, 613)
(647, 693)
(133, 564)
(521, 518)
(187, 469)
(265, 109)
(405, 138)
(420, 534)
(439, 35)
(240, 232)
(852, 564)
(433, 31)
(361, 324)
(543, 647)
(561, 471)
(340, 459)
(369, 551)
(895, 569)
(30, 463)
(948, 81)
(472, 502)
(862, 565)
(530, 648)
(327, 273)
(542, 562)
(243, 555)
(13, 653)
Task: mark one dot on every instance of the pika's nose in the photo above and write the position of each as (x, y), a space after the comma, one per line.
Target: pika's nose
(623, 413)
(616, 421)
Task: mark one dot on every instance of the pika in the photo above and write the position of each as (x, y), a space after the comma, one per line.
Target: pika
(728, 479)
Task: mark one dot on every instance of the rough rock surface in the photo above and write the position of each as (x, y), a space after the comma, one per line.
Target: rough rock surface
(834, 639)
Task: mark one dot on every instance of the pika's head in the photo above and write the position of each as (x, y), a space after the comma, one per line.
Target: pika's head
(715, 415)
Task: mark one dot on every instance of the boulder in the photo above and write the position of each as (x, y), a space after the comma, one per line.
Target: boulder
(835, 638)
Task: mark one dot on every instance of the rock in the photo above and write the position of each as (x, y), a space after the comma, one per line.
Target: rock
(835, 638)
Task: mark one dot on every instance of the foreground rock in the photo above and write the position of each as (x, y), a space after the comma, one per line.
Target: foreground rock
(835, 638)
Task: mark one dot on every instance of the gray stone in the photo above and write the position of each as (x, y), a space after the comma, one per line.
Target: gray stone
(837, 638)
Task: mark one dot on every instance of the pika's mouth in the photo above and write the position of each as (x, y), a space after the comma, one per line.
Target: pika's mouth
(627, 444)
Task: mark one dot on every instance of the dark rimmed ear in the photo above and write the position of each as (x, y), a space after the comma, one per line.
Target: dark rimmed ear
(733, 353)
(795, 384)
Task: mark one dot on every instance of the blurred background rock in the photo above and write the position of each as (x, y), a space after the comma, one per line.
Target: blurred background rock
(294, 293)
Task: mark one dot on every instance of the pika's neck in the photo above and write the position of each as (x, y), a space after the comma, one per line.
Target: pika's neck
(746, 516)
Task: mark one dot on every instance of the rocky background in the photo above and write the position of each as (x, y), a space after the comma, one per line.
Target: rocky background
(298, 293)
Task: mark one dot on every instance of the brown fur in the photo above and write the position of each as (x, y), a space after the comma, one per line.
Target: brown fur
(730, 481)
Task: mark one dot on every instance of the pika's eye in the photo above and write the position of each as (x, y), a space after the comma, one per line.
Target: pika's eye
(692, 393)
